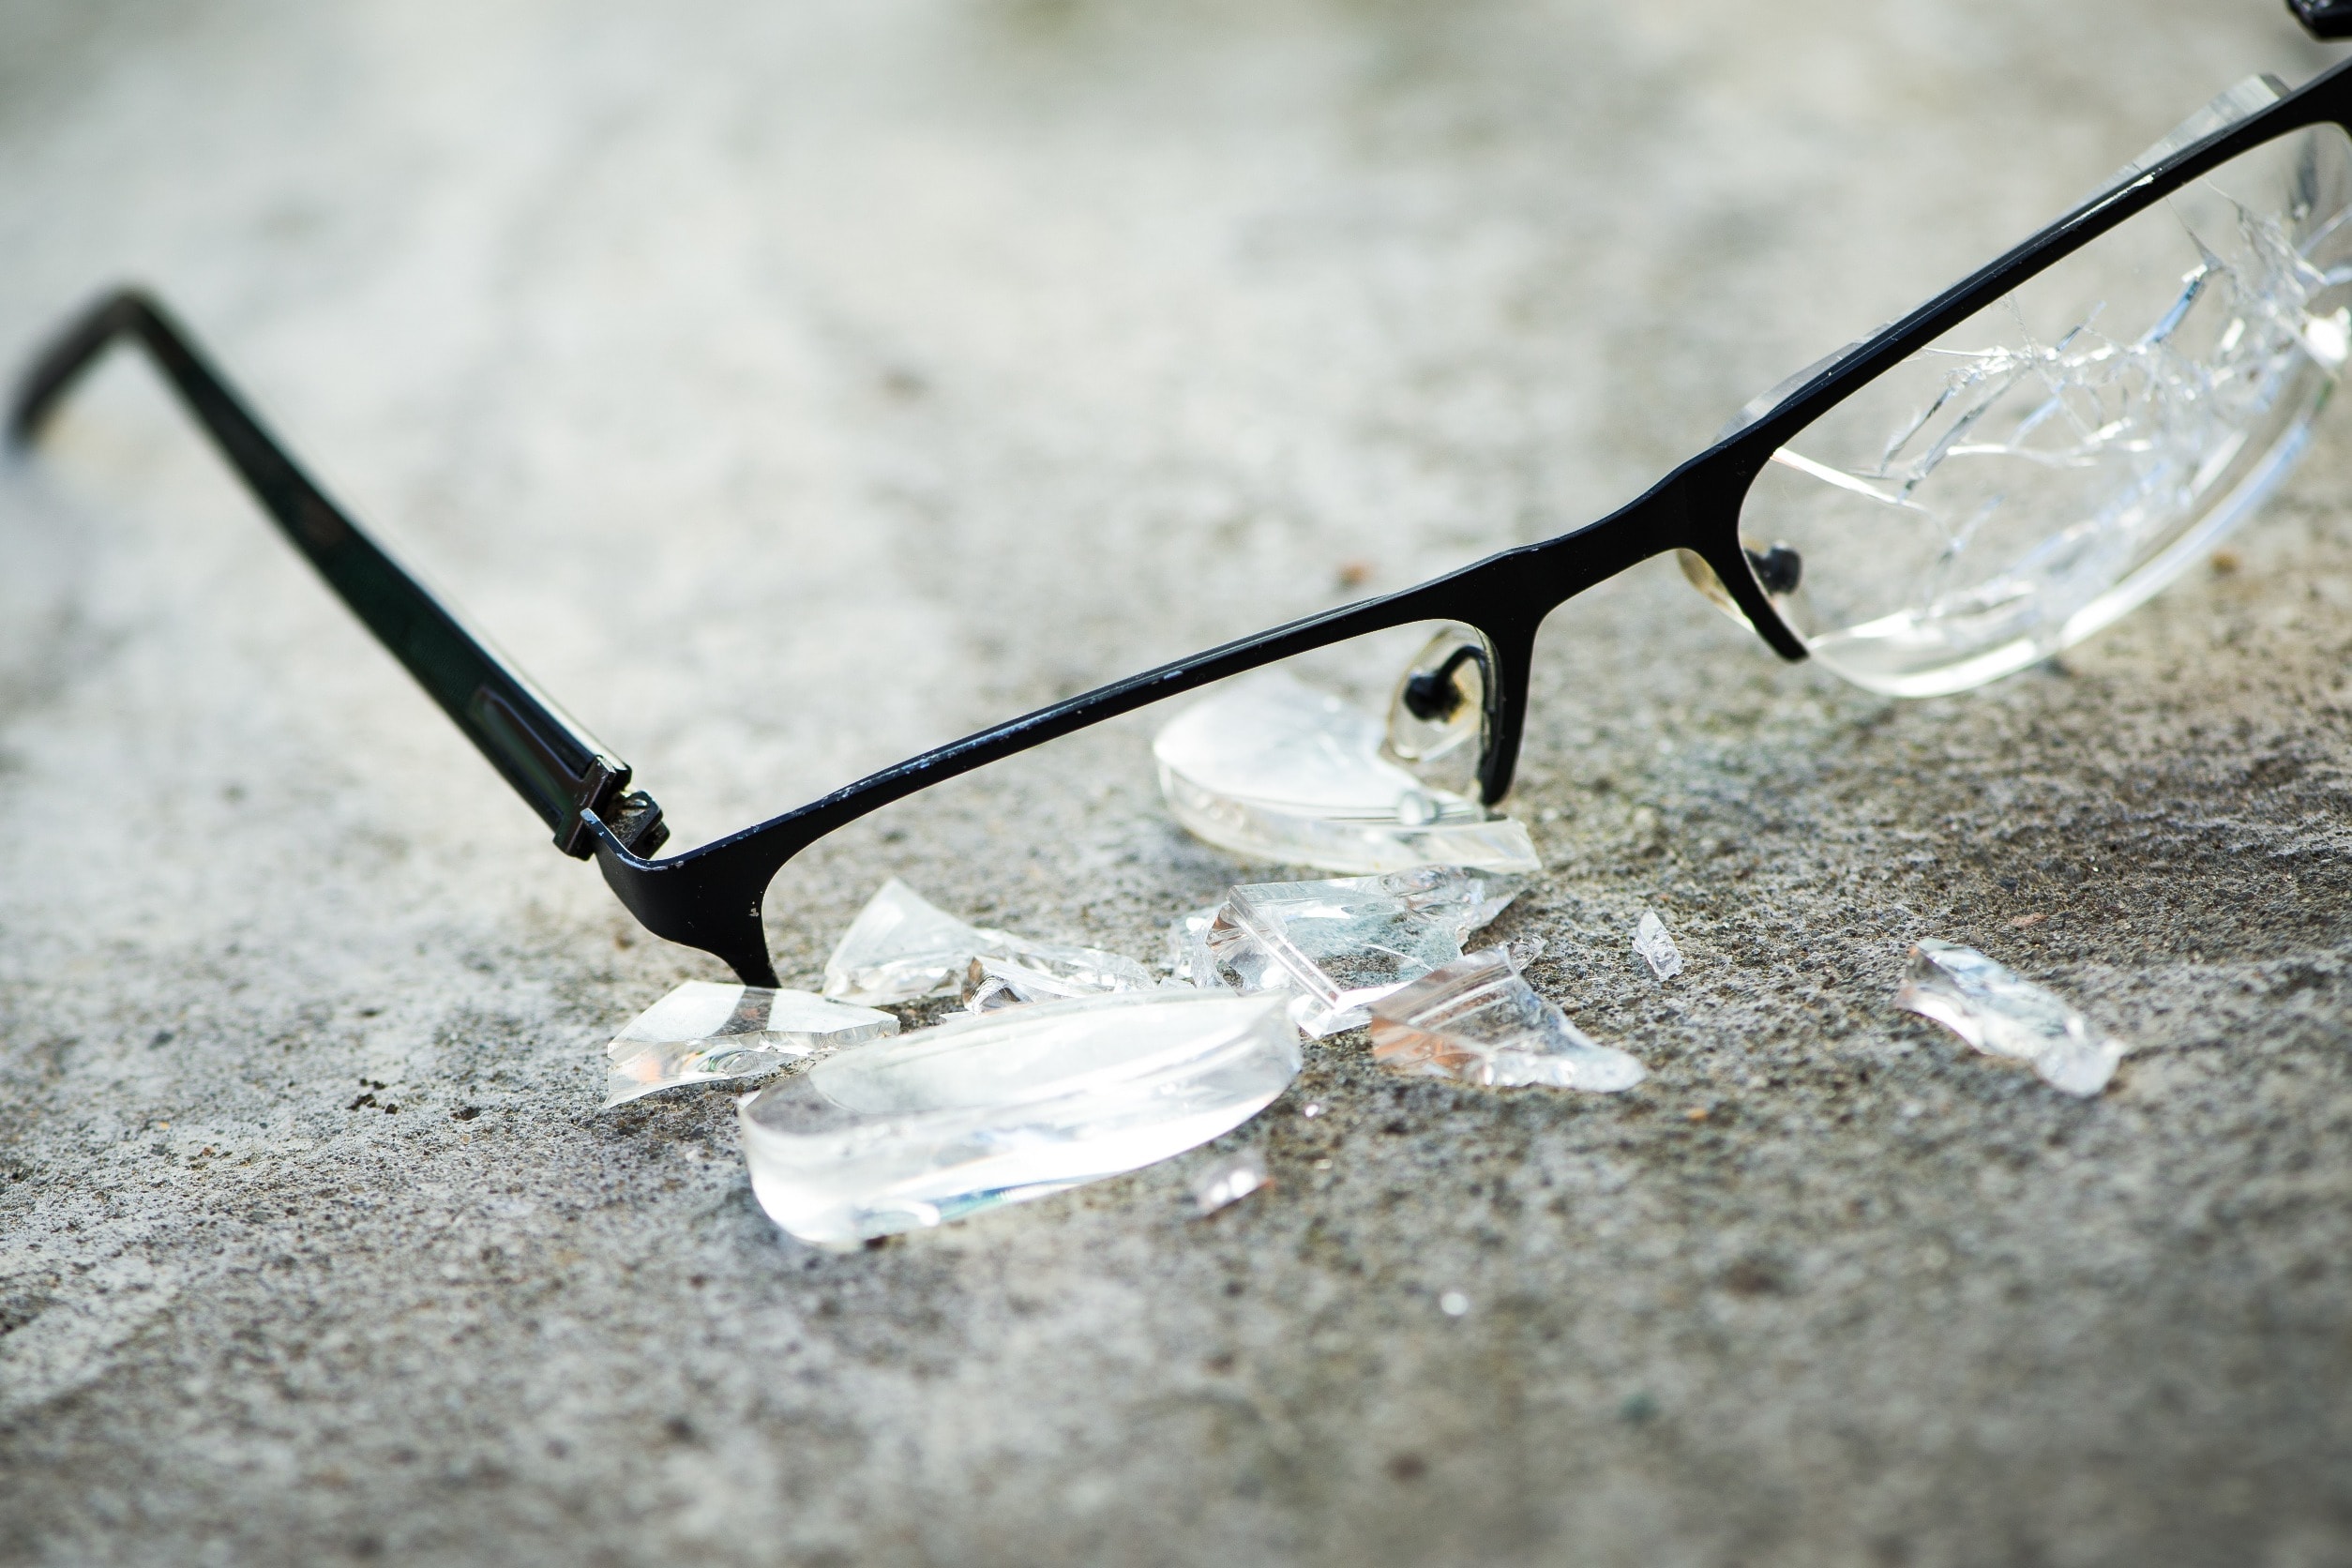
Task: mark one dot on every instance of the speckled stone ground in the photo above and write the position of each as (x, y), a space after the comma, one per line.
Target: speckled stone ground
(789, 388)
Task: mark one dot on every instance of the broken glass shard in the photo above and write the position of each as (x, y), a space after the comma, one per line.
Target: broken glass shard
(1339, 944)
(1229, 1181)
(1271, 769)
(1655, 945)
(1477, 1021)
(991, 982)
(2001, 1014)
(901, 947)
(1009, 1106)
(1188, 948)
(2051, 462)
(703, 1033)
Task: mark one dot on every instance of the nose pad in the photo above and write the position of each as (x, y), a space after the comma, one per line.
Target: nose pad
(1778, 570)
(1437, 713)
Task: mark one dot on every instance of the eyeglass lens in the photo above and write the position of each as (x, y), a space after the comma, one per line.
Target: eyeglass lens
(2054, 459)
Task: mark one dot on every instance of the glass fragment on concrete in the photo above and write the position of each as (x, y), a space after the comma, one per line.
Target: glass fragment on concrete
(1476, 1020)
(1271, 769)
(901, 947)
(1336, 945)
(2002, 1014)
(1655, 945)
(990, 983)
(703, 1033)
(1188, 947)
(1004, 1107)
(1038, 976)
(1229, 1180)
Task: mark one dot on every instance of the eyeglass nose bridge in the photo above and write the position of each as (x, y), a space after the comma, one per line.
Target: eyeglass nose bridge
(1737, 580)
(1696, 512)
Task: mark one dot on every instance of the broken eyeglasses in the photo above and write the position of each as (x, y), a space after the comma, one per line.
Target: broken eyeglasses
(1986, 481)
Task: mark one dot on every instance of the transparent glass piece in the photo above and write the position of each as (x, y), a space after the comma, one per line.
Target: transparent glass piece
(1229, 1180)
(1006, 1106)
(1477, 1021)
(1655, 945)
(2062, 455)
(1437, 715)
(703, 1033)
(901, 947)
(991, 982)
(1271, 769)
(1339, 946)
(1188, 948)
(2001, 1014)
(2250, 96)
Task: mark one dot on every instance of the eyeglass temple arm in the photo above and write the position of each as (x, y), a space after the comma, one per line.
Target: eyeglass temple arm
(555, 765)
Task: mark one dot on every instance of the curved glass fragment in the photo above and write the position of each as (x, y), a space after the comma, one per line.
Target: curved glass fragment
(902, 947)
(1477, 1021)
(1271, 769)
(1337, 945)
(2062, 455)
(1004, 1107)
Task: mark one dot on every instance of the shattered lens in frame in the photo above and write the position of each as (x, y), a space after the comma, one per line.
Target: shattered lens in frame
(2054, 459)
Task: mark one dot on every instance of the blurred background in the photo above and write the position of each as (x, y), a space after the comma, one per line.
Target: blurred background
(791, 387)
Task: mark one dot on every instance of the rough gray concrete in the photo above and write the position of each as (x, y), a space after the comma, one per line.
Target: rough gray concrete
(791, 387)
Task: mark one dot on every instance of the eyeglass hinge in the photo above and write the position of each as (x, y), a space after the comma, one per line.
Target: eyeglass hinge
(564, 787)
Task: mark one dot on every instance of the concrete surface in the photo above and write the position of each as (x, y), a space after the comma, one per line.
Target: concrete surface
(789, 387)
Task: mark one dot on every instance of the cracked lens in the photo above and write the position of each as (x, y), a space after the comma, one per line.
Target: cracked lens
(2058, 457)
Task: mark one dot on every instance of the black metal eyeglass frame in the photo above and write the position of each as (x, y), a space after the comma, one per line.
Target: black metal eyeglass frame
(710, 897)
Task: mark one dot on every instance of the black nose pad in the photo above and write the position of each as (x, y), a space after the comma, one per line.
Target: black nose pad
(1778, 570)
(1432, 695)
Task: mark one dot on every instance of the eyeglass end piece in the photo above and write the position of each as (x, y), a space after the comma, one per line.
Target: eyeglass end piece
(636, 824)
(703, 899)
